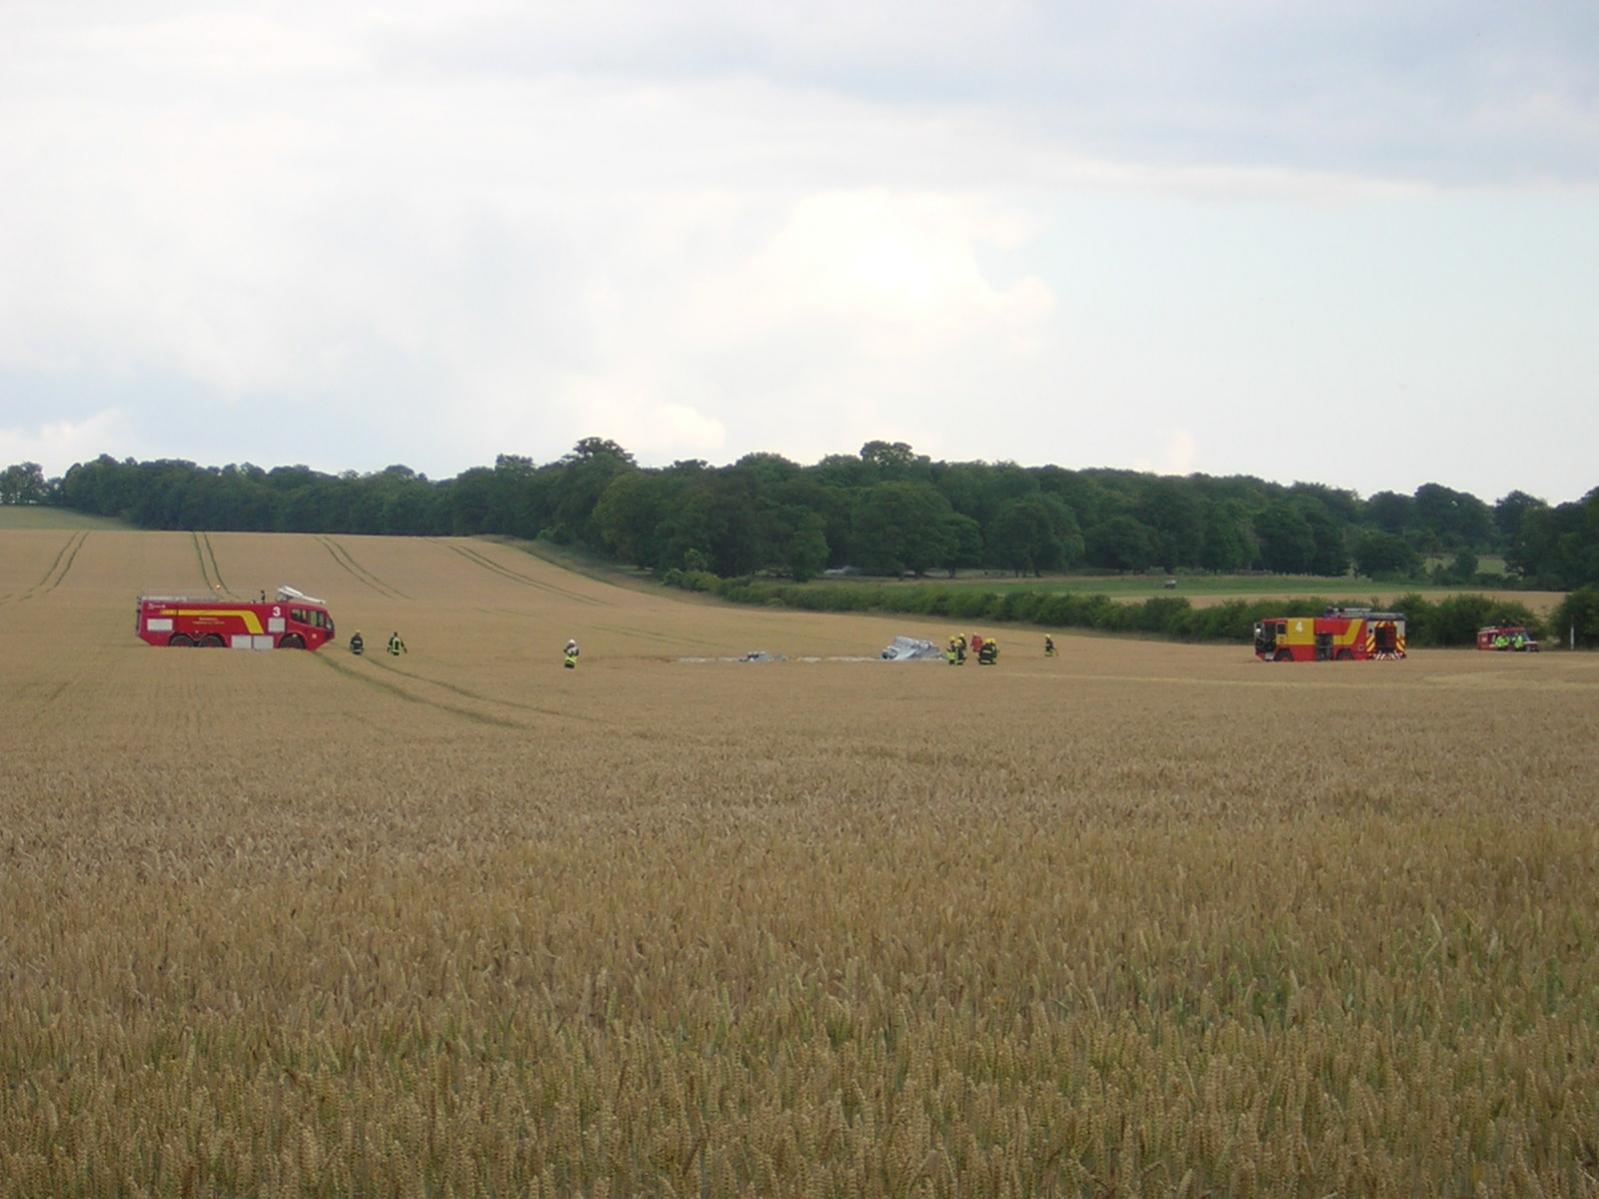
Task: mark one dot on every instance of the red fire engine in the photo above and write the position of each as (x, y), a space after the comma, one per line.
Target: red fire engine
(1512, 637)
(1337, 635)
(290, 621)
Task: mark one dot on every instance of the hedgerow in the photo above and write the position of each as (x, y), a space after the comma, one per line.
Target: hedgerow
(1451, 621)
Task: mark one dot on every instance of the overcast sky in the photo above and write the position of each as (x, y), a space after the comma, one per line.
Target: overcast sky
(1354, 243)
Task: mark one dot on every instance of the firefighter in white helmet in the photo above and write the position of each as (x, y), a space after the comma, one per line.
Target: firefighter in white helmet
(570, 654)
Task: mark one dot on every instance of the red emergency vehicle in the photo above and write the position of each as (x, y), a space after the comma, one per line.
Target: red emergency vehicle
(1511, 637)
(289, 621)
(1337, 635)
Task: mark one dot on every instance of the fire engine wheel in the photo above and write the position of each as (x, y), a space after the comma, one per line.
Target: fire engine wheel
(181, 639)
(1344, 655)
(211, 641)
(292, 641)
(1283, 656)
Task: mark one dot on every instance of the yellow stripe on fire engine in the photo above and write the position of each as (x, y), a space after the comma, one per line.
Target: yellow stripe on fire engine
(1350, 635)
(252, 622)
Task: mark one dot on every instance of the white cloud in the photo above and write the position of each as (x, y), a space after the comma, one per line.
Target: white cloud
(55, 445)
(872, 278)
(713, 324)
(656, 430)
(1178, 453)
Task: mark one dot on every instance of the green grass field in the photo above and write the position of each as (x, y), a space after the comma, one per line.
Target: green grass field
(1487, 564)
(28, 516)
(1204, 590)
(1139, 585)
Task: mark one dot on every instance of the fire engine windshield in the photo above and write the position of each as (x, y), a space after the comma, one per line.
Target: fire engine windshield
(310, 616)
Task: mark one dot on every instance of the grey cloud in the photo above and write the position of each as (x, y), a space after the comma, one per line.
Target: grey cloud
(1449, 93)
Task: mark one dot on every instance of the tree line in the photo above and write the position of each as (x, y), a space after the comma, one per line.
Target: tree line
(884, 511)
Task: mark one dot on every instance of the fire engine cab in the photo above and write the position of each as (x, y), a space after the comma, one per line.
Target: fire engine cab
(292, 620)
(1337, 635)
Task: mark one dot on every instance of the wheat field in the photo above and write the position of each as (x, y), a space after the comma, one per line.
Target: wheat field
(1145, 919)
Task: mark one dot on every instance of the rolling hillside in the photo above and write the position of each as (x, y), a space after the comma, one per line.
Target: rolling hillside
(1146, 919)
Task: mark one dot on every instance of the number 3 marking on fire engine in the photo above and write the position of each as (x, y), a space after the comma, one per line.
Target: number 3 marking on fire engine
(277, 611)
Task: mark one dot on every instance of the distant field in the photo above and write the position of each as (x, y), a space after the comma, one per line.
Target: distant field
(28, 516)
(1204, 590)
(1137, 586)
(1487, 564)
(1384, 596)
(1146, 919)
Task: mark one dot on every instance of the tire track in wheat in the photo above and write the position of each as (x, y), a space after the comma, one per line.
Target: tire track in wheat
(411, 697)
(205, 571)
(479, 559)
(480, 697)
(54, 562)
(667, 638)
(72, 556)
(358, 572)
(216, 569)
(57, 570)
(373, 577)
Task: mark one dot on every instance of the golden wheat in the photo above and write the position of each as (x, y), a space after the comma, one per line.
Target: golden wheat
(1146, 919)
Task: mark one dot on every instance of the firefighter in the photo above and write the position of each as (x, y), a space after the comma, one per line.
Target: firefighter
(989, 654)
(1049, 646)
(357, 644)
(396, 646)
(570, 654)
